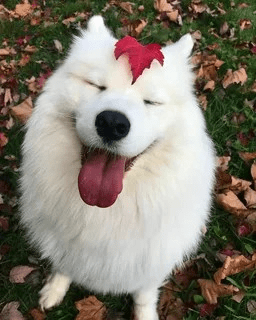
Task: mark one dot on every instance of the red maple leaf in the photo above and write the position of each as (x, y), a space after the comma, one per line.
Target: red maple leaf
(140, 57)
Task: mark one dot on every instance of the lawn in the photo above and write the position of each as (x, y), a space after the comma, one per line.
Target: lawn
(34, 39)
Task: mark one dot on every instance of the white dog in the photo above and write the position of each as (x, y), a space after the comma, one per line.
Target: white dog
(116, 177)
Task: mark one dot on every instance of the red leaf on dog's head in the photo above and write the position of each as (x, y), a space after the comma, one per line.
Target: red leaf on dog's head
(140, 57)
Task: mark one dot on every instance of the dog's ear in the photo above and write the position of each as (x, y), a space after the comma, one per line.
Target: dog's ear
(185, 45)
(96, 24)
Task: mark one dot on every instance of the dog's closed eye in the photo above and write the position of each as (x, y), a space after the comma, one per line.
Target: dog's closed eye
(101, 88)
(152, 103)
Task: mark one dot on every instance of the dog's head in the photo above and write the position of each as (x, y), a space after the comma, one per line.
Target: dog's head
(116, 120)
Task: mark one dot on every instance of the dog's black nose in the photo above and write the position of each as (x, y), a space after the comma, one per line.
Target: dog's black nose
(112, 125)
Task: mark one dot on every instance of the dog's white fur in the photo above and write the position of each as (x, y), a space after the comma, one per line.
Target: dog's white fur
(133, 245)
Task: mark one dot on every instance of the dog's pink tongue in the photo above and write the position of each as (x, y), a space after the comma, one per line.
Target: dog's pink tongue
(101, 179)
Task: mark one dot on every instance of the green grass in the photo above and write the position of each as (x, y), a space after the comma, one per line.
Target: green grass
(222, 104)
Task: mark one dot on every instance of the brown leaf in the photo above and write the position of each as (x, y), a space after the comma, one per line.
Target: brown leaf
(251, 219)
(30, 49)
(198, 6)
(4, 52)
(23, 111)
(233, 266)
(247, 156)
(239, 185)
(238, 297)
(23, 9)
(203, 101)
(170, 306)
(222, 162)
(10, 312)
(245, 24)
(224, 28)
(230, 202)
(18, 274)
(7, 97)
(164, 6)
(3, 140)
(127, 6)
(210, 85)
(90, 309)
(37, 314)
(4, 223)
(211, 291)
(58, 45)
(253, 171)
(223, 180)
(231, 77)
(137, 30)
(250, 198)
(25, 58)
(251, 306)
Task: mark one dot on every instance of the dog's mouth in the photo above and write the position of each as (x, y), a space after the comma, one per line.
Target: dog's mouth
(100, 180)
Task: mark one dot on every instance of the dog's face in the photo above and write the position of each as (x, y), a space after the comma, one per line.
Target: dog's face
(112, 115)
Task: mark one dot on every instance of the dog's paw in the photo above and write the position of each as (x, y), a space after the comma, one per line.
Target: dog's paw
(144, 313)
(53, 291)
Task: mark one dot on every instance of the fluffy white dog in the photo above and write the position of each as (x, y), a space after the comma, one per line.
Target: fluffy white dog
(116, 177)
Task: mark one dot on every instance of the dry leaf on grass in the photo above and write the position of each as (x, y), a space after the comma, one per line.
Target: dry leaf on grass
(238, 76)
(233, 266)
(141, 25)
(210, 85)
(239, 185)
(170, 307)
(3, 140)
(90, 309)
(247, 156)
(230, 202)
(19, 273)
(211, 290)
(203, 101)
(10, 312)
(251, 306)
(127, 6)
(58, 45)
(23, 111)
(222, 162)
(23, 9)
(250, 198)
(164, 6)
(245, 24)
(37, 314)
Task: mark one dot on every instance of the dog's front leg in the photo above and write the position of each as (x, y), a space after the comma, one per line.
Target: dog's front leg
(145, 304)
(54, 290)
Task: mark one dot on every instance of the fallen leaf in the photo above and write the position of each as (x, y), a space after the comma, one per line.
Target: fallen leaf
(250, 198)
(23, 9)
(251, 306)
(58, 45)
(90, 309)
(3, 140)
(142, 24)
(203, 101)
(224, 28)
(7, 97)
(239, 185)
(230, 202)
(127, 6)
(231, 77)
(210, 85)
(23, 111)
(25, 58)
(164, 6)
(222, 162)
(238, 297)
(197, 35)
(211, 290)
(4, 223)
(198, 6)
(207, 309)
(244, 229)
(247, 156)
(233, 266)
(251, 219)
(4, 52)
(30, 49)
(18, 274)
(245, 24)
(253, 171)
(10, 312)
(37, 314)
(170, 306)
